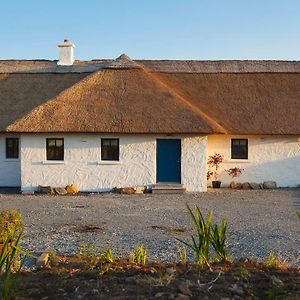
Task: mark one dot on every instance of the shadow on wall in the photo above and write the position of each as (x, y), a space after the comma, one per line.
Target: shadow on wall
(286, 172)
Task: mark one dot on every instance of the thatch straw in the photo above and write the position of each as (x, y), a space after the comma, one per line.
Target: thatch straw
(262, 103)
(117, 101)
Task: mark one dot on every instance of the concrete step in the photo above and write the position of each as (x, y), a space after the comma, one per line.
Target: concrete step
(168, 188)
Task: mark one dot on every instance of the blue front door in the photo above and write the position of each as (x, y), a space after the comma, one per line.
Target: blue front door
(168, 160)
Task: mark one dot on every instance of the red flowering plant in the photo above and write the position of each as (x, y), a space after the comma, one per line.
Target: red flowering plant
(214, 162)
(234, 172)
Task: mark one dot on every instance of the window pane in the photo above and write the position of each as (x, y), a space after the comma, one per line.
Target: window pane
(59, 143)
(110, 149)
(55, 149)
(12, 148)
(239, 149)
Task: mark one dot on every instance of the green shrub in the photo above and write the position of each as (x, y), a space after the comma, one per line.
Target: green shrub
(107, 256)
(139, 256)
(11, 224)
(8, 255)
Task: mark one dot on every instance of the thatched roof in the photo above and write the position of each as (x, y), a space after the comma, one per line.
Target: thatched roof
(118, 101)
(126, 96)
(257, 103)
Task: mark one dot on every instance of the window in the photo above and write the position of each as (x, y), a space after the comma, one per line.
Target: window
(12, 148)
(109, 149)
(239, 149)
(55, 149)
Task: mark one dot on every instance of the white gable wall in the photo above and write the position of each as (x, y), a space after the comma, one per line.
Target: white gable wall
(10, 169)
(269, 158)
(83, 167)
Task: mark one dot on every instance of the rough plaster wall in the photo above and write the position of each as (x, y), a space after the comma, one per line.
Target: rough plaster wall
(193, 163)
(10, 169)
(269, 158)
(82, 164)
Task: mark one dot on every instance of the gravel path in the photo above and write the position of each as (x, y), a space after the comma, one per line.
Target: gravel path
(259, 221)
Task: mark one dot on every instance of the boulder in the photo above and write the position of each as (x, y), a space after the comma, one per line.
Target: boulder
(127, 190)
(60, 191)
(46, 190)
(270, 185)
(254, 186)
(235, 185)
(246, 186)
(72, 189)
(140, 190)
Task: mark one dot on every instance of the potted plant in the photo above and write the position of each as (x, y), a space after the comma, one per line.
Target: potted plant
(214, 162)
(11, 225)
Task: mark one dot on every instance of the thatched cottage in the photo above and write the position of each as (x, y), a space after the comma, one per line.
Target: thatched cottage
(113, 123)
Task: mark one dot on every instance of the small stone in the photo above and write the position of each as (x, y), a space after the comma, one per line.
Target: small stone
(184, 288)
(170, 271)
(182, 297)
(276, 281)
(246, 186)
(270, 185)
(42, 260)
(235, 289)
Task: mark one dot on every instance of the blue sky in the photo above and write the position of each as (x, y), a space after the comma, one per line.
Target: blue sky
(152, 29)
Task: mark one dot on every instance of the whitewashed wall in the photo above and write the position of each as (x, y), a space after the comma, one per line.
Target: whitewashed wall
(10, 169)
(83, 167)
(269, 158)
(193, 163)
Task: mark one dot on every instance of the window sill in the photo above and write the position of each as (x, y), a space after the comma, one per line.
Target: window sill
(235, 160)
(11, 159)
(109, 162)
(53, 162)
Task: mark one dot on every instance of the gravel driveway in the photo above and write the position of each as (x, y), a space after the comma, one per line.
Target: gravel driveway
(259, 221)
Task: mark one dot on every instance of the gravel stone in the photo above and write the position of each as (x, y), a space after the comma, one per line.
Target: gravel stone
(259, 221)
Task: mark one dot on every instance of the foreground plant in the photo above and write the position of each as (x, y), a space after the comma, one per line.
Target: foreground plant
(201, 242)
(218, 241)
(8, 256)
(139, 256)
(107, 256)
(207, 234)
(182, 255)
(273, 260)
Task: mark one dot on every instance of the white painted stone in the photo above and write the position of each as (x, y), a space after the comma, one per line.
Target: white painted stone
(66, 53)
(10, 169)
(270, 158)
(82, 165)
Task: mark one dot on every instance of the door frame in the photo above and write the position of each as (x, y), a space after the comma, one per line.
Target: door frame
(180, 166)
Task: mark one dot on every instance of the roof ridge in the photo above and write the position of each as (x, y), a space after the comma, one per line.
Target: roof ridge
(123, 62)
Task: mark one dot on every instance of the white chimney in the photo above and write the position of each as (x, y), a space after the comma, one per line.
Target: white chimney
(66, 53)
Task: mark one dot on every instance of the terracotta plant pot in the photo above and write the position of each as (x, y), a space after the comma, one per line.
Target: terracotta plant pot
(216, 184)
